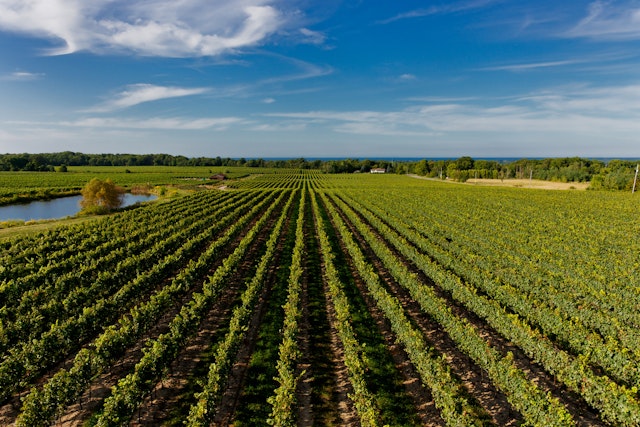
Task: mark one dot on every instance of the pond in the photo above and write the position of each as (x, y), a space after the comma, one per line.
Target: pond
(58, 208)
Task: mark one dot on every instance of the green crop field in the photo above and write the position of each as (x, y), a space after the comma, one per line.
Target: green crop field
(18, 187)
(301, 298)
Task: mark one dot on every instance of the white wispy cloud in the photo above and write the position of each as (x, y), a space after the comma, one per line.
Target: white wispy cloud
(439, 10)
(168, 123)
(167, 28)
(406, 77)
(531, 65)
(22, 76)
(609, 20)
(304, 70)
(279, 127)
(141, 93)
(312, 37)
(579, 111)
(441, 99)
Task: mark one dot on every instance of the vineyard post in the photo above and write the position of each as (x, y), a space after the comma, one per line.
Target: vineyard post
(635, 179)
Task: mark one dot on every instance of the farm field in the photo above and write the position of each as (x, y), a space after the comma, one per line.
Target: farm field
(300, 298)
(18, 187)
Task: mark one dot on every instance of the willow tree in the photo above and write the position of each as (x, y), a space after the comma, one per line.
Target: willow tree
(101, 196)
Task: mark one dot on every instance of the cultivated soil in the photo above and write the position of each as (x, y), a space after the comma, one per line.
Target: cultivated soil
(516, 183)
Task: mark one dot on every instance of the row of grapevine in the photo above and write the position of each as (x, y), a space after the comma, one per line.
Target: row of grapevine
(204, 411)
(67, 384)
(283, 401)
(362, 397)
(70, 293)
(522, 393)
(448, 392)
(159, 353)
(615, 402)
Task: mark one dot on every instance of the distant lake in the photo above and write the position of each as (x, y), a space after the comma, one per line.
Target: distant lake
(58, 208)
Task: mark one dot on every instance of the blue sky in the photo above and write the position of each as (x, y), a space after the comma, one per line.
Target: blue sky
(285, 78)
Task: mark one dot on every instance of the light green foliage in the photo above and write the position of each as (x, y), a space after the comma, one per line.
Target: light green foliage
(101, 196)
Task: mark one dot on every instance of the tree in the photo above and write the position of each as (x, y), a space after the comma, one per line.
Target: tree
(101, 196)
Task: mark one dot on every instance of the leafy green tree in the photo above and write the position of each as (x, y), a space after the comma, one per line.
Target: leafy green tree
(422, 168)
(101, 196)
(464, 163)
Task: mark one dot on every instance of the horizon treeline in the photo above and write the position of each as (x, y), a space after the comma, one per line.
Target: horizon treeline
(613, 174)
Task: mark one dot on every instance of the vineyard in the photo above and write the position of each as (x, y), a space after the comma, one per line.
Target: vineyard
(21, 187)
(301, 298)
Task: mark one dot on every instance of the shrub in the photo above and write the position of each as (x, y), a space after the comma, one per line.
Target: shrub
(99, 197)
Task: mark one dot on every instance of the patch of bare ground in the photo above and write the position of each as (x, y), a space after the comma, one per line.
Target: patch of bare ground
(10, 410)
(318, 385)
(516, 183)
(92, 399)
(579, 409)
(304, 388)
(343, 388)
(348, 415)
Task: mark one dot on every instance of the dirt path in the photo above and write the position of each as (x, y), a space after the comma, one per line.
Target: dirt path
(304, 389)
(317, 395)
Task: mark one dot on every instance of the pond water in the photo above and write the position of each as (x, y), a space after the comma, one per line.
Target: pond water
(58, 208)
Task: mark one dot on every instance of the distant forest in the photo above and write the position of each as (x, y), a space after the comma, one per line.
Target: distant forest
(612, 174)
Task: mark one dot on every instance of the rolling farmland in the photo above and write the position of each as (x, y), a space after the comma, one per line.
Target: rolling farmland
(301, 298)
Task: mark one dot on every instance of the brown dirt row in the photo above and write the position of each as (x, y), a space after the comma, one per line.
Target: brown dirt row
(304, 389)
(346, 409)
(582, 413)
(318, 395)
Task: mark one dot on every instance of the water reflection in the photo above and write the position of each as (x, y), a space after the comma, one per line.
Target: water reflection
(58, 208)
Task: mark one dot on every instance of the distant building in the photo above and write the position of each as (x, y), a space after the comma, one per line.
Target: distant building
(378, 170)
(218, 177)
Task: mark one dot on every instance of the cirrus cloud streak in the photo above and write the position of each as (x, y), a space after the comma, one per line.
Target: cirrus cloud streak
(170, 123)
(141, 93)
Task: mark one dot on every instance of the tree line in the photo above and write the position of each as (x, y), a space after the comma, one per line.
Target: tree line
(611, 174)
(50, 162)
